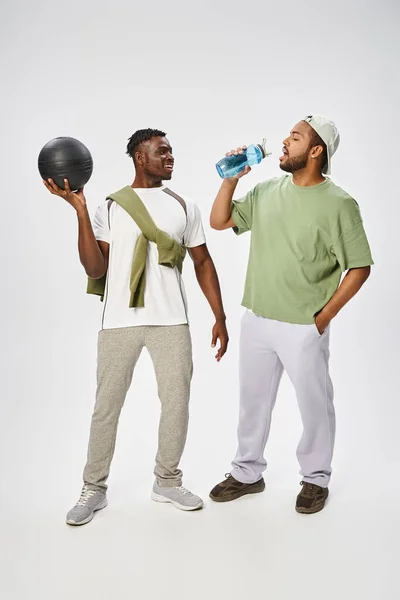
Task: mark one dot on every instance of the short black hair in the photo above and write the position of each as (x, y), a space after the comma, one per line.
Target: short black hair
(316, 140)
(140, 136)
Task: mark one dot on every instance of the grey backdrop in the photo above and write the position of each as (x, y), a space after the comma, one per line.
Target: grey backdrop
(213, 75)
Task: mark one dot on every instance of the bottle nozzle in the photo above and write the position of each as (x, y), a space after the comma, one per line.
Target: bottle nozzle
(263, 147)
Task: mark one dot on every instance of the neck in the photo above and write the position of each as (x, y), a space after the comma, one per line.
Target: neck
(142, 180)
(304, 178)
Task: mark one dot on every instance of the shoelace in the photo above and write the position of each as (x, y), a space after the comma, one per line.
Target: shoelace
(86, 494)
(183, 490)
(309, 489)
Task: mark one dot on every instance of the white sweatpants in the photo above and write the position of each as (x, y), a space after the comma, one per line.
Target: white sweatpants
(267, 348)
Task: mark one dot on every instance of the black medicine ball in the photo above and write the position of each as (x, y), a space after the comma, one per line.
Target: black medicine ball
(66, 158)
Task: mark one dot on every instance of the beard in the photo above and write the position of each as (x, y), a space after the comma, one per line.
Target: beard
(291, 165)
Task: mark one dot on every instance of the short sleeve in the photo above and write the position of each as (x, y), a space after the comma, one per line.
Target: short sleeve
(242, 212)
(100, 224)
(194, 232)
(351, 248)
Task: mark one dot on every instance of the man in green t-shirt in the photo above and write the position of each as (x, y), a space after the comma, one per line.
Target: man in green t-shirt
(305, 232)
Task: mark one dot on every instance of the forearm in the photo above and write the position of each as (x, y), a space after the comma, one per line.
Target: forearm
(351, 284)
(209, 284)
(222, 207)
(90, 254)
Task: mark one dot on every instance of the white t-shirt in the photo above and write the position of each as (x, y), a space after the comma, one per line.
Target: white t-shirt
(165, 300)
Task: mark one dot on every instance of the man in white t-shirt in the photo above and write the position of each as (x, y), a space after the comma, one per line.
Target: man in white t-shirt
(161, 325)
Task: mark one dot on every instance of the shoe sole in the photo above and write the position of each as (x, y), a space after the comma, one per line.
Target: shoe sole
(164, 500)
(309, 511)
(238, 495)
(90, 517)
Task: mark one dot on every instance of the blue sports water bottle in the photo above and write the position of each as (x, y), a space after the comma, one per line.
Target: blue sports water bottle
(229, 166)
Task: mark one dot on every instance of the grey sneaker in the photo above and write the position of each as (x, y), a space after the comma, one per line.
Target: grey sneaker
(84, 509)
(178, 496)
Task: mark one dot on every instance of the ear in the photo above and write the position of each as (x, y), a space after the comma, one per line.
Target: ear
(139, 158)
(316, 151)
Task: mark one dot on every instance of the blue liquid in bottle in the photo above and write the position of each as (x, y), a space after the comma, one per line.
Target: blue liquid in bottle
(229, 166)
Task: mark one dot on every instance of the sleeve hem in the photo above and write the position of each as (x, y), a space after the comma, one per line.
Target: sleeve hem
(199, 242)
(238, 228)
(358, 265)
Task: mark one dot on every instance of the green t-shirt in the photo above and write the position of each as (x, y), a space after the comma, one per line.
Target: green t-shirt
(302, 239)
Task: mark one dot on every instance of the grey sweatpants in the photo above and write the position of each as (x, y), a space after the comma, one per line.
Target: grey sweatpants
(170, 349)
(267, 348)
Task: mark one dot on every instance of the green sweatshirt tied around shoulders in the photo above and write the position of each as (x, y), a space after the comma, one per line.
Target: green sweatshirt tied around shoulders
(170, 252)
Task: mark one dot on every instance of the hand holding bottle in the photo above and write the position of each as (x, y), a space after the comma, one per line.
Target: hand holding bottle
(238, 162)
(237, 152)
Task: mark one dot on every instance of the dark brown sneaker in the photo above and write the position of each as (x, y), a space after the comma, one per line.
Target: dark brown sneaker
(231, 489)
(311, 499)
